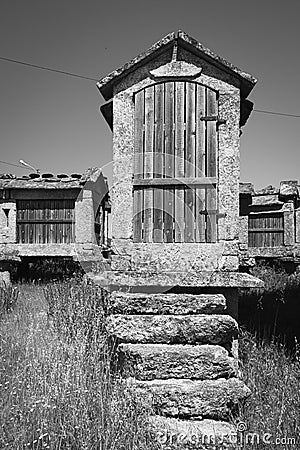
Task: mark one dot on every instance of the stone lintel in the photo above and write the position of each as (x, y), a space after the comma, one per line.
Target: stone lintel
(142, 303)
(162, 361)
(172, 329)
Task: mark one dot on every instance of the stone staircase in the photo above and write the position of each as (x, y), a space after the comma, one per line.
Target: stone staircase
(178, 353)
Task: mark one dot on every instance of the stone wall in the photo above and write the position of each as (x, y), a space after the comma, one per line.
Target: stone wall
(228, 171)
(7, 222)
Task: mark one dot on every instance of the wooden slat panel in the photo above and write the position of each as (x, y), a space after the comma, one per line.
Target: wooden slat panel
(258, 239)
(31, 216)
(179, 130)
(158, 196)
(190, 162)
(148, 215)
(200, 208)
(179, 214)
(37, 226)
(211, 164)
(190, 130)
(211, 109)
(266, 230)
(149, 132)
(169, 129)
(200, 162)
(159, 131)
(148, 163)
(159, 156)
(179, 160)
(45, 221)
(168, 214)
(189, 215)
(139, 134)
(137, 215)
(175, 181)
(169, 161)
(211, 218)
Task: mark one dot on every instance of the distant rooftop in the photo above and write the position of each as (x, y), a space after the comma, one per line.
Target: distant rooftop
(49, 180)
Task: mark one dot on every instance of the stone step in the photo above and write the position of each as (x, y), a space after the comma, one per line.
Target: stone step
(204, 434)
(163, 361)
(172, 329)
(210, 399)
(139, 303)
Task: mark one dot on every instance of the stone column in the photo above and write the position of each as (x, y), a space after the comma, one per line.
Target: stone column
(84, 218)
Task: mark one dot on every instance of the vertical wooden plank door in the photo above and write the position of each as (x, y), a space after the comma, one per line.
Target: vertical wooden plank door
(175, 154)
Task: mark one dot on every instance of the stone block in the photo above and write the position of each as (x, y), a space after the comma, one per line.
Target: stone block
(229, 263)
(210, 399)
(120, 263)
(5, 279)
(289, 189)
(163, 361)
(230, 247)
(263, 200)
(162, 282)
(139, 303)
(203, 434)
(172, 329)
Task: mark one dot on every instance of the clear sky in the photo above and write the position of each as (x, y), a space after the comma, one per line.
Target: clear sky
(53, 121)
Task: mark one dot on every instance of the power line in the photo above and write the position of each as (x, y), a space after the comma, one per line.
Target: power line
(71, 74)
(275, 113)
(11, 164)
(76, 75)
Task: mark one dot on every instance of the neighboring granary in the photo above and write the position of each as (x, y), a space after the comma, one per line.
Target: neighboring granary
(270, 223)
(53, 216)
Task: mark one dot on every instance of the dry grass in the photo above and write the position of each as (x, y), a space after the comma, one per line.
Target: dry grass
(8, 299)
(56, 388)
(274, 379)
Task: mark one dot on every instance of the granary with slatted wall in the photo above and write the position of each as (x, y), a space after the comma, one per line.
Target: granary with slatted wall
(270, 223)
(53, 216)
(176, 113)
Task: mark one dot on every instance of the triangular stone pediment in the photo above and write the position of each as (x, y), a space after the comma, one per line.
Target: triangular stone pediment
(176, 69)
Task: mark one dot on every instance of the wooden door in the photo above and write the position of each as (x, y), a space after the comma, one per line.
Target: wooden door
(175, 170)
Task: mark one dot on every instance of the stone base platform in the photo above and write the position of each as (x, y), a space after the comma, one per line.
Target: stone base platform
(163, 281)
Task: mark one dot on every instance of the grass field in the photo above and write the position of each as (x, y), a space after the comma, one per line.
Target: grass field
(55, 383)
(57, 391)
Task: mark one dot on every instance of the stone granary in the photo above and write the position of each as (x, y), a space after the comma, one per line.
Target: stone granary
(53, 216)
(270, 224)
(176, 113)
